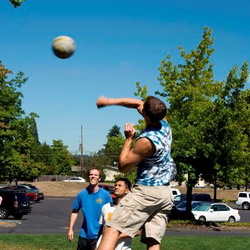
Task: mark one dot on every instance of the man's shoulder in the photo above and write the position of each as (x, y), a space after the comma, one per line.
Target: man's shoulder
(82, 192)
(164, 123)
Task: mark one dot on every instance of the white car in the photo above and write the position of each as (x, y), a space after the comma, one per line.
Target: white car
(217, 212)
(243, 200)
(75, 179)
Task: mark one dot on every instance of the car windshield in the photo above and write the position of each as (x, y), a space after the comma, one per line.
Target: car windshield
(202, 207)
(179, 197)
(182, 205)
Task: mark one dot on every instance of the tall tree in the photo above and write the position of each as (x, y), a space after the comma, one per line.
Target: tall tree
(63, 159)
(113, 147)
(233, 141)
(16, 137)
(114, 131)
(189, 87)
(204, 113)
(44, 155)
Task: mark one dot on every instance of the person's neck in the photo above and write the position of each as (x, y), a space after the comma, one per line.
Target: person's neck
(150, 124)
(116, 200)
(93, 188)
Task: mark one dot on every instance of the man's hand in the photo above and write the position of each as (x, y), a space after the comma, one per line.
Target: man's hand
(70, 235)
(102, 102)
(129, 131)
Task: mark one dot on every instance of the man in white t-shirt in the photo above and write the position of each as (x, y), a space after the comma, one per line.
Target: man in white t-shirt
(122, 187)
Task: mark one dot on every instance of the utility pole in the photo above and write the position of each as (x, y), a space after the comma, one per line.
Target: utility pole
(81, 150)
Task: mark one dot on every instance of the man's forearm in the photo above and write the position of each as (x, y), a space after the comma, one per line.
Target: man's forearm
(123, 167)
(125, 102)
(73, 217)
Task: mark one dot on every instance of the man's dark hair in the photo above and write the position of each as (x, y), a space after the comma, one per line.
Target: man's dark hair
(154, 108)
(126, 181)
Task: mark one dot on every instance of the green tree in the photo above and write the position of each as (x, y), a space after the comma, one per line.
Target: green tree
(16, 3)
(16, 131)
(233, 141)
(114, 145)
(63, 159)
(204, 115)
(44, 155)
(189, 88)
(114, 131)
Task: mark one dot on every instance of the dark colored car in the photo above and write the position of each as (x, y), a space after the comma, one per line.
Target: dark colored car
(31, 186)
(33, 195)
(176, 214)
(14, 203)
(183, 205)
(195, 197)
(36, 189)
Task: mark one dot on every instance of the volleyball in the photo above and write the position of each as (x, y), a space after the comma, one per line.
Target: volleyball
(63, 47)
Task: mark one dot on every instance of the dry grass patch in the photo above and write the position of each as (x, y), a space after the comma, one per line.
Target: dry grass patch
(58, 188)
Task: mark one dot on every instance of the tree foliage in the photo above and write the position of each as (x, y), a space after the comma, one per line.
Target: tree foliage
(21, 154)
(209, 118)
(114, 131)
(62, 160)
(113, 147)
(17, 131)
(16, 3)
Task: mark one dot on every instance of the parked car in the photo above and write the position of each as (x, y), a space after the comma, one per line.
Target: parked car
(75, 179)
(182, 206)
(33, 195)
(30, 188)
(14, 203)
(217, 212)
(179, 212)
(243, 200)
(195, 197)
(176, 214)
(175, 192)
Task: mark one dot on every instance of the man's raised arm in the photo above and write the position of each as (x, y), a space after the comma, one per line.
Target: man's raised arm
(125, 102)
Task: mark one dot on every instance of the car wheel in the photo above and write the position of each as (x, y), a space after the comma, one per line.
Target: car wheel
(4, 213)
(231, 219)
(202, 219)
(245, 205)
(18, 216)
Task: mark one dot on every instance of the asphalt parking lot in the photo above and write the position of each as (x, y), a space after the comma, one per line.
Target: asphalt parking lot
(51, 216)
(48, 216)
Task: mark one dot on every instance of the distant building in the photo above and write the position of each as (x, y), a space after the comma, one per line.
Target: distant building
(76, 170)
(110, 172)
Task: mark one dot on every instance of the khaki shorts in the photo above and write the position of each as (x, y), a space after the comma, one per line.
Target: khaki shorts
(144, 208)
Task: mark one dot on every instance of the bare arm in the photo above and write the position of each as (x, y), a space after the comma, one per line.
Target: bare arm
(125, 102)
(131, 157)
(72, 220)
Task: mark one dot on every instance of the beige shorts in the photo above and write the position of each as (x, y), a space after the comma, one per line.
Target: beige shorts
(144, 208)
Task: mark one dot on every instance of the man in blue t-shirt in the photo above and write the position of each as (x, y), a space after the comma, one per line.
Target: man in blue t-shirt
(90, 201)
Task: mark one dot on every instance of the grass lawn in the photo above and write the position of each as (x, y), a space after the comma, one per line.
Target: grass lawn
(59, 242)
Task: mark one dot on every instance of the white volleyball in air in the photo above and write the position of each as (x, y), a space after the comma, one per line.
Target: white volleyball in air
(63, 47)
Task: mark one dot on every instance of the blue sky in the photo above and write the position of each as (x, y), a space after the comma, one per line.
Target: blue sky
(118, 43)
